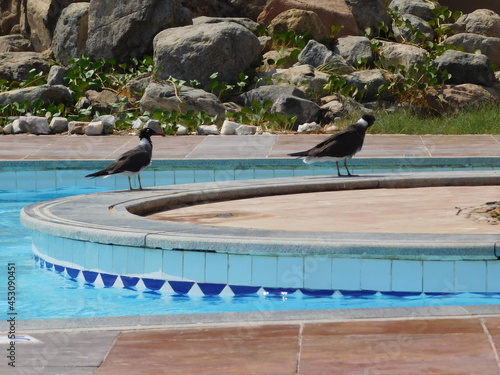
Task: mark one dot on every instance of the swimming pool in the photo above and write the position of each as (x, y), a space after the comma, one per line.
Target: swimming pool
(45, 293)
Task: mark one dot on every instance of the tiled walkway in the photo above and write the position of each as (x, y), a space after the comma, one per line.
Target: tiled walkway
(408, 345)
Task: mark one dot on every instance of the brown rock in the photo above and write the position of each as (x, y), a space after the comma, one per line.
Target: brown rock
(300, 21)
(482, 21)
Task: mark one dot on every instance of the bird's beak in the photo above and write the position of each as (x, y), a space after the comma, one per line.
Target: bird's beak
(159, 133)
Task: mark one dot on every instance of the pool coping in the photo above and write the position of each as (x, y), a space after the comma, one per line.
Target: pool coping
(113, 218)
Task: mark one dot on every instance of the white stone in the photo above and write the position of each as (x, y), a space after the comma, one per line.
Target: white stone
(138, 124)
(308, 127)
(246, 130)
(59, 124)
(94, 128)
(330, 128)
(108, 122)
(207, 130)
(181, 130)
(33, 124)
(229, 127)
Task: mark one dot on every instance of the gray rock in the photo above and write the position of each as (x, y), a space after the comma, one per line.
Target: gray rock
(420, 8)
(49, 94)
(489, 46)
(272, 92)
(77, 127)
(367, 82)
(56, 75)
(70, 36)
(94, 128)
(414, 29)
(164, 96)
(128, 30)
(103, 101)
(196, 52)
(289, 105)
(395, 54)
(14, 43)
(459, 97)
(31, 124)
(58, 125)
(246, 130)
(306, 78)
(108, 122)
(207, 130)
(481, 21)
(229, 127)
(316, 54)
(466, 67)
(153, 124)
(354, 50)
(15, 66)
(368, 13)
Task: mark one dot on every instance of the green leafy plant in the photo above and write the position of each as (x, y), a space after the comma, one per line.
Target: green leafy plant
(258, 114)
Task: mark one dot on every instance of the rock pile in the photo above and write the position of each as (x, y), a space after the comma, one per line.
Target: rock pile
(191, 41)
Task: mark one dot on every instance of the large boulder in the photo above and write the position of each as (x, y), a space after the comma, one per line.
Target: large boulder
(355, 50)
(42, 17)
(289, 105)
(331, 13)
(15, 66)
(271, 92)
(11, 13)
(466, 68)
(309, 80)
(458, 97)
(396, 54)
(70, 36)
(316, 54)
(301, 22)
(420, 8)
(226, 8)
(167, 97)
(243, 21)
(481, 21)
(126, 29)
(489, 46)
(49, 94)
(196, 52)
(14, 43)
(413, 29)
(368, 14)
(367, 83)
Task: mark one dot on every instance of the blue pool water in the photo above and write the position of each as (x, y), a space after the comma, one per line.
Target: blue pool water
(44, 294)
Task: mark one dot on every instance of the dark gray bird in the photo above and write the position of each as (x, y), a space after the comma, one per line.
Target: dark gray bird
(339, 146)
(133, 161)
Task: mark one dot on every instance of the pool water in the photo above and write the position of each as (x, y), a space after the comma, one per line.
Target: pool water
(46, 294)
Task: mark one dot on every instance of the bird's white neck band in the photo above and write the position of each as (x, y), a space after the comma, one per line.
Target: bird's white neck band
(363, 122)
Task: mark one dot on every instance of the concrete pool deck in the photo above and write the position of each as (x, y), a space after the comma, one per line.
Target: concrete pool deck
(443, 340)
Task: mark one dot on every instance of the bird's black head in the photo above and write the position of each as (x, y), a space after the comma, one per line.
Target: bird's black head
(148, 132)
(369, 119)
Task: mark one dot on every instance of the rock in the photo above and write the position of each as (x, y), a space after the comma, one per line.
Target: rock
(31, 124)
(489, 46)
(207, 130)
(103, 101)
(368, 13)
(58, 125)
(459, 97)
(395, 54)
(42, 17)
(108, 122)
(137, 86)
(414, 30)
(317, 54)
(7, 129)
(466, 67)
(306, 78)
(57, 75)
(14, 43)
(126, 29)
(15, 66)
(289, 105)
(137, 124)
(330, 128)
(367, 82)
(309, 127)
(70, 35)
(356, 50)
(181, 130)
(165, 97)
(300, 22)
(196, 52)
(283, 56)
(246, 130)
(49, 94)
(77, 127)
(229, 127)
(94, 128)
(481, 21)
(263, 93)
(331, 12)
(154, 124)
(226, 8)
(245, 22)
(420, 8)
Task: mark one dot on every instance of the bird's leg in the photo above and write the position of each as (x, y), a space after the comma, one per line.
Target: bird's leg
(129, 183)
(345, 164)
(338, 169)
(139, 179)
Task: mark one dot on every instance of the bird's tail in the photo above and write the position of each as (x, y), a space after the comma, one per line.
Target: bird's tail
(300, 153)
(98, 174)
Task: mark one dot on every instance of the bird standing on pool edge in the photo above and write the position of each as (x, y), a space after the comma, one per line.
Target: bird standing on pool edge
(339, 146)
(133, 161)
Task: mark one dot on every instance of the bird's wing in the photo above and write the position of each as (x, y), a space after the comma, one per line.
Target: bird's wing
(344, 143)
(132, 161)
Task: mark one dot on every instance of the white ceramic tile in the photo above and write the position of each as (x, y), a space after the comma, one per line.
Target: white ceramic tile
(120, 260)
(317, 272)
(92, 251)
(135, 261)
(470, 276)
(216, 269)
(376, 274)
(194, 266)
(290, 272)
(240, 269)
(439, 276)
(153, 260)
(407, 276)
(346, 274)
(105, 261)
(173, 264)
(493, 276)
(264, 269)
(78, 250)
